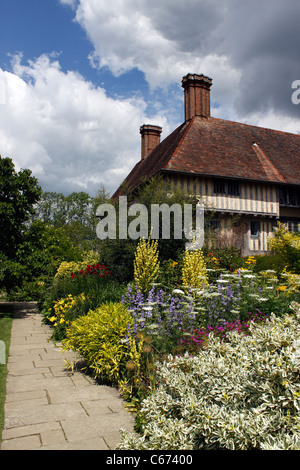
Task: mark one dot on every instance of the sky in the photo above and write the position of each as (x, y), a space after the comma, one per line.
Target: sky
(79, 77)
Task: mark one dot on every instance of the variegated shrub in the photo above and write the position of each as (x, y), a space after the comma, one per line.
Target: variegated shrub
(242, 395)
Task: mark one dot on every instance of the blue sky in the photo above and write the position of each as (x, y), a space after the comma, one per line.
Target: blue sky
(79, 77)
(36, 27)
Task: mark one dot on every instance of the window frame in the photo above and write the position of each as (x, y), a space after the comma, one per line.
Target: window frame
(226, 187)
(255, 233)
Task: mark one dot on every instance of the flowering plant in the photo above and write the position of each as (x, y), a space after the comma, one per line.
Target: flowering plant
(98, 270)
(63, 312)
(66, 267)
(146, 264)
(194, 269)
(243, 394)
(159, 314)
(195, 340)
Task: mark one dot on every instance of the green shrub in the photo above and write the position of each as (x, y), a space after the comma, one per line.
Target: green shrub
(97, 337)
(33, 290)
(287, 244)
(276, 263)
(241, 395)
(226, 258)
(170, 273)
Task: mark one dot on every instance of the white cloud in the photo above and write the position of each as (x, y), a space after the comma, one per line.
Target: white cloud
(67, 131)
(272, 120)
(249, 48)
(71, 3)
(74, 137)
(129, 34)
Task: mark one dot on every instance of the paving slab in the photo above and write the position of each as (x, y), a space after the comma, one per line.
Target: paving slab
(49, 407)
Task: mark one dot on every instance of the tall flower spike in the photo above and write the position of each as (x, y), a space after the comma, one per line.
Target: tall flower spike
(146, 264)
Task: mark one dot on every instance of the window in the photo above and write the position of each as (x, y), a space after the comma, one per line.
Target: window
(213, 224)
(219, 187)
(232, 188)
(293, 226)
(294, 197)
(255, 229)
(289, 196)
(283, 196)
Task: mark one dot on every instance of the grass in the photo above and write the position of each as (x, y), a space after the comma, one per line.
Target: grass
(5, 330)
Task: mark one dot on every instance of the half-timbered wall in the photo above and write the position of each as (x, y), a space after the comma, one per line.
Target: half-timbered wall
(256, 204)
(253, 198)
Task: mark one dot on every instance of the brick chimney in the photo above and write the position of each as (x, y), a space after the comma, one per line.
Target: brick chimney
(196, 95)
(150, 139)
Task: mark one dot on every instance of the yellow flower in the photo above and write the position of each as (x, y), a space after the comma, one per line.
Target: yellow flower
(146, 264)
(194, 269)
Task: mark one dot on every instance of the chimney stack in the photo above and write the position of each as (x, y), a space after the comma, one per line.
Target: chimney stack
(196, 95)
(150, 139)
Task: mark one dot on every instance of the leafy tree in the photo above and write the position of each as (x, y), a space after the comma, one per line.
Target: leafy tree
(73, 213)
(159, 190)
(44, 248)
(119, 253)
(38, 257)
(18, 194)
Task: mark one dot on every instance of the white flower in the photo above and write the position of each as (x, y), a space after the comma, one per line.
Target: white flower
(212, 294)
(296, 344)
(177, 291)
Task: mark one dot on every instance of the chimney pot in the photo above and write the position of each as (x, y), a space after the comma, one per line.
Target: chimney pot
(150, 139)
(196, 95)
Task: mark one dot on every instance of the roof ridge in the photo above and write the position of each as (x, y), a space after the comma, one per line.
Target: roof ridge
(267, 165)
(183, 135)
(181, 139)
(256, 126)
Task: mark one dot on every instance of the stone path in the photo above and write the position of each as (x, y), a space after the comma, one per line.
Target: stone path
(49, 407)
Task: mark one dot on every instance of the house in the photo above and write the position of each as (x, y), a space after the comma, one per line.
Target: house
(247, 176)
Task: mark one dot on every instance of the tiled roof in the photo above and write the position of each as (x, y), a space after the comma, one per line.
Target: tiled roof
(221, 148)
